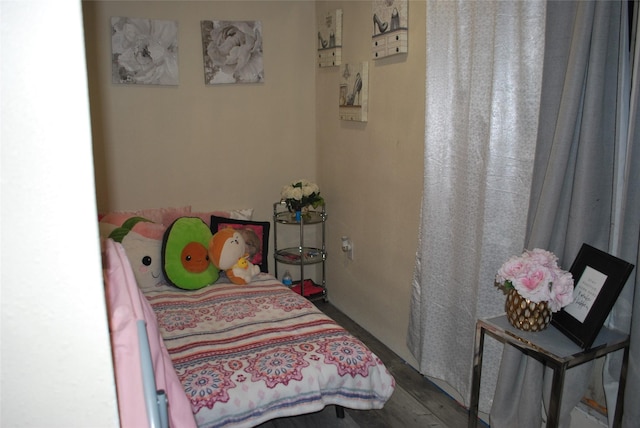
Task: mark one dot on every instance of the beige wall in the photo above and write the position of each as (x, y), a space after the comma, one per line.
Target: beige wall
(372, 174)
(235, 146)
(223, 146)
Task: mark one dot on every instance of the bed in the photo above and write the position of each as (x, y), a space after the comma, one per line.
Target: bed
(238, 355)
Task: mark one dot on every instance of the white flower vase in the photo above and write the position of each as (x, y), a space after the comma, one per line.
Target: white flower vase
(527, 315)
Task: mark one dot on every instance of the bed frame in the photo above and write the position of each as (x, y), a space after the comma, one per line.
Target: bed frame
(155, 400)
(233, 355)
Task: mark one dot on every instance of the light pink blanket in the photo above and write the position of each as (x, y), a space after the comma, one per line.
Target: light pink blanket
(127, 305)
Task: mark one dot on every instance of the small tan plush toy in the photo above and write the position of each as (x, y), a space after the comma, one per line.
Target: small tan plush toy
(227, 251)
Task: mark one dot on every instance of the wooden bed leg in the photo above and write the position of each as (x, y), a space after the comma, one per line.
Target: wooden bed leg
(340, 412)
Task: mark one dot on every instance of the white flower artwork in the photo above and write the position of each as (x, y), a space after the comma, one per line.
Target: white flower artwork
(232, 52)
(144, 51)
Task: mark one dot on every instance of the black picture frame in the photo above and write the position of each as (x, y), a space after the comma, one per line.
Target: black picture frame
(258, 230)
(598, 280)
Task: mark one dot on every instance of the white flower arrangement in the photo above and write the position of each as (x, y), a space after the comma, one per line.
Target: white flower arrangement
(301, 194)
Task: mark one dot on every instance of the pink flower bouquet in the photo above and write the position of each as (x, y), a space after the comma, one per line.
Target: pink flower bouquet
(536, 276)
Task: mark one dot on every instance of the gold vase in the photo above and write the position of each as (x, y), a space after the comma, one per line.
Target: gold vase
(526, 315)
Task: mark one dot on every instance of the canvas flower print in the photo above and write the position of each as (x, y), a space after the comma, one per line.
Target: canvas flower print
(144, 51)
(232, 52)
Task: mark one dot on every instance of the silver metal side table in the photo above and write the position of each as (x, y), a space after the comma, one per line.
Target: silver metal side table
(552, 348)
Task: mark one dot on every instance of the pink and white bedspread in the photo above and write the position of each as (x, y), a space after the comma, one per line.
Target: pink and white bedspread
(246, 354)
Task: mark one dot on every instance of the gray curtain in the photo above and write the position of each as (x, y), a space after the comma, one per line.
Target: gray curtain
(578, 190)
(483, 77)
(626, 228)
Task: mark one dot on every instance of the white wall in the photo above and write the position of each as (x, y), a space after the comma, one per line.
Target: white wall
(56, 358)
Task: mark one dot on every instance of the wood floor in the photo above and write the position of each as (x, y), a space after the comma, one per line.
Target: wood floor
(415, 403)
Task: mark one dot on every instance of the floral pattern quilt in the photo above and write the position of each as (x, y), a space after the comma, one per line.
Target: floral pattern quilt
(246, 354)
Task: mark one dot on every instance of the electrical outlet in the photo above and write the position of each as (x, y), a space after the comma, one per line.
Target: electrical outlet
(347, 247)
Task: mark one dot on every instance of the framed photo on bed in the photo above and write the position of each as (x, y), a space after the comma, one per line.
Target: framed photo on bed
(255, 234)
(598, 280)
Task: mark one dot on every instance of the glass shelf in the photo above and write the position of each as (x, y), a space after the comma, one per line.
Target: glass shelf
(291, 255)
(311, 217)
(310, 290)
(302, 255)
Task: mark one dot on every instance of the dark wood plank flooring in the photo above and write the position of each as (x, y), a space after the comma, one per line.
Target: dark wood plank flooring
(415, 403)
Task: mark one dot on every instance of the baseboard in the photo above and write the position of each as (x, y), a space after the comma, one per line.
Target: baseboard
(585, 417)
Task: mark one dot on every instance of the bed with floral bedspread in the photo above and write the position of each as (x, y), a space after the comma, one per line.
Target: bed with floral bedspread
(246, 354)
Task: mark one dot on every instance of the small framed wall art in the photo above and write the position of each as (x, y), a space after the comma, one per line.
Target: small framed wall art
(390, 28)
(330, 39)
(354, 92)
(255, 234)
(232, 52)
(144, 51)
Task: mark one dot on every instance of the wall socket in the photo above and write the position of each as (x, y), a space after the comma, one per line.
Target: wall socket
(347, 247)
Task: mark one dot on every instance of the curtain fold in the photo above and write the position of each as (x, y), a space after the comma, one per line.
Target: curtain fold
(575, 196)
(626, 225)
(483, 77)
(520, 156)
